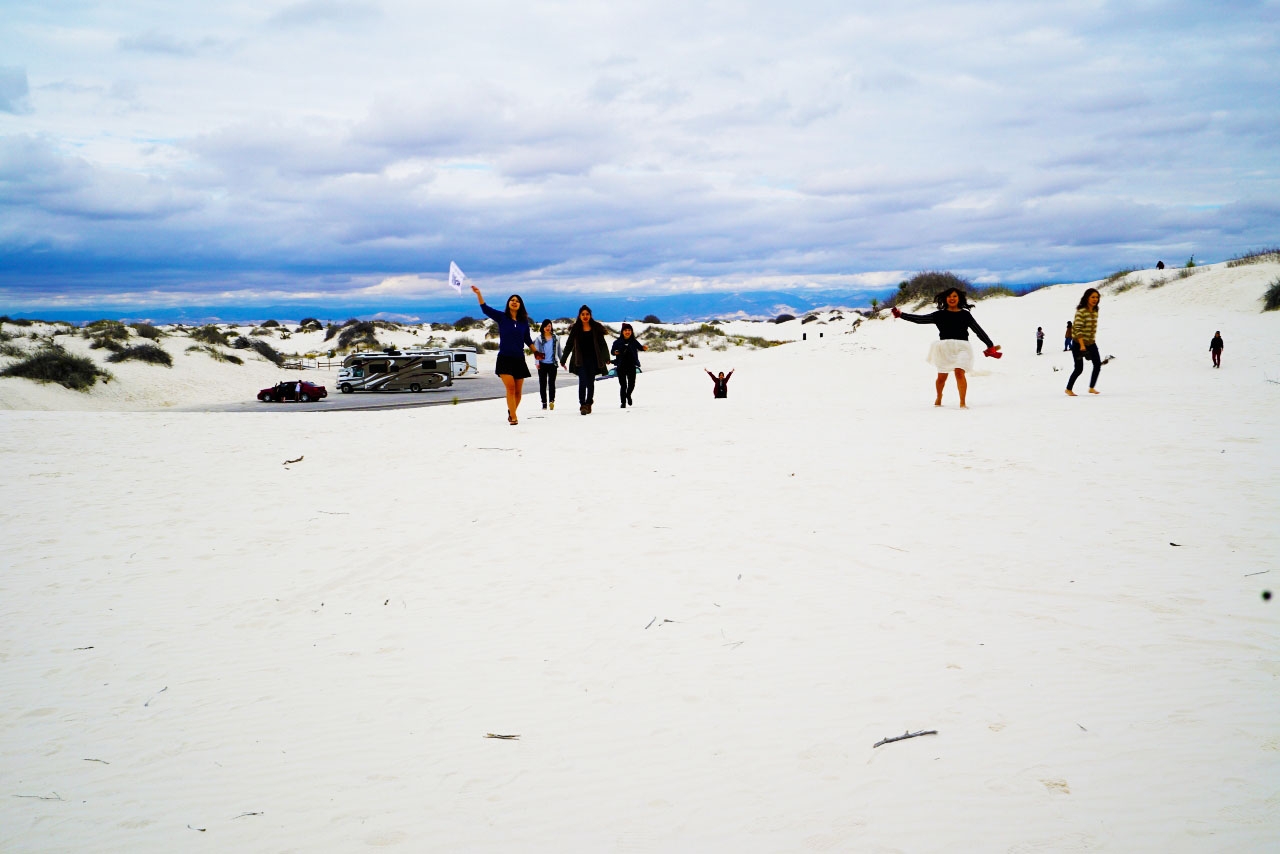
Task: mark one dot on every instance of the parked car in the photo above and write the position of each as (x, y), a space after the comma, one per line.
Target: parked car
(293, 390)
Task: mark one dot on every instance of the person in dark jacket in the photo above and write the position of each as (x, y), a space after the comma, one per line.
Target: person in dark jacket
(721, 387)
(587, 354)
(1215, 349)
(513, 335)
(1066, 342)
(952, 351)
(626, 356)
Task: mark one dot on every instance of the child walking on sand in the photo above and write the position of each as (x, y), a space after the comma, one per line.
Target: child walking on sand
(626, 355)
(1215, 349)
(952, 351)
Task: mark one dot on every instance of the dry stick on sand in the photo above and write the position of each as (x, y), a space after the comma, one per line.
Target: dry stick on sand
(495, 735)
(56, 797)
(904, 735)
(288, 462)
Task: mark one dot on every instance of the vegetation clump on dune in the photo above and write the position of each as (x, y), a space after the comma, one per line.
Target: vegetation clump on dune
(215, 353)
(210, 335)
(262, 348)
(52, 364)
(1271, 299)
(146, 330)
(150, 353)
(1270, 255)
(360, 334)
(923, 287)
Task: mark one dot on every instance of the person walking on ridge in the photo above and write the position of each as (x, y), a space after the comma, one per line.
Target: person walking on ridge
(721, 388)
(513, 335)
(1215, 349)
(952, 351)
(626, 356)
(587, 355)
(1084, 344)
(548, 353)
(1039, 339)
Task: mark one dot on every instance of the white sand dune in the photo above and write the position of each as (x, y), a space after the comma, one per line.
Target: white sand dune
(699, 616)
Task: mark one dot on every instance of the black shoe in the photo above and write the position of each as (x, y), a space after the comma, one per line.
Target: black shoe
(630, 402)
(544, 406)
(582, 410)
(624, 405)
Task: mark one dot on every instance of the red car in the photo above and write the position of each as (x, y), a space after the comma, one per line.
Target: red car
(293, 390)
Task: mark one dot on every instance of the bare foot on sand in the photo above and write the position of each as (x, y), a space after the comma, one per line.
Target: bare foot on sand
(1070, 392)
(1094, 391)
(963, 406)
(938, 402)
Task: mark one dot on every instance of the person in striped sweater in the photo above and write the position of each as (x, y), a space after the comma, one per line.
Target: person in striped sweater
(1084, 345)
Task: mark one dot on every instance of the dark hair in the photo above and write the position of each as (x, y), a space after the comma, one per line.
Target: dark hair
(577, 320)
(544, 324)
(624, 328)
(1084, 300)
(941, 298)
(521, 314)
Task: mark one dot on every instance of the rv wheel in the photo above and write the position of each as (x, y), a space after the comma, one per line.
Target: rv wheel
(346, 388)
(414, 387)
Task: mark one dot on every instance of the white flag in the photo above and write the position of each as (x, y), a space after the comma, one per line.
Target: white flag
(456, 277)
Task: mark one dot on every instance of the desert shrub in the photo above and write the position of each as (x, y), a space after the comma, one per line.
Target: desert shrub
(754, 341)
(268, 352)
(146, 330)
(1191, 262)
(922, 287)
(262, 332)
(149, 353)
(650, 318)
(106, 330)
(360, 333)
(784, 318)
(310, 324)
(7, 349)
(103, 343)
(708, 329)
(331, 330)
(210, 335)
(657, 345)
(490, 344)
(15, 321)
(464, 342)
(269, 324)
(1115, 278)
(1271, 299)
(241, 343)
(387, 324)
(465, 322)
(1154, 283)
(56, 365)
(216, 354)
(492, 331)
(1186, 273)
(1270, 255)
(808, 318)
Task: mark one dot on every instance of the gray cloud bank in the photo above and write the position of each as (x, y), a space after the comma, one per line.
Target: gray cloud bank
(322, 146)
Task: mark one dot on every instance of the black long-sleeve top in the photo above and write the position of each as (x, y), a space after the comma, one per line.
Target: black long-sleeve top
(952, 325)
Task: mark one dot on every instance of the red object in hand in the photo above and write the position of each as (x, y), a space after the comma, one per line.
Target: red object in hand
(896, 311)
(992, 352)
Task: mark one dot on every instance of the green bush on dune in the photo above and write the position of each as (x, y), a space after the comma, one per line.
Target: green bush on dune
(54, 365)
(1271, 299)
(150, 353)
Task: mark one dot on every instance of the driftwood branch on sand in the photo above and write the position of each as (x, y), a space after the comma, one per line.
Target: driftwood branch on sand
(904, 735)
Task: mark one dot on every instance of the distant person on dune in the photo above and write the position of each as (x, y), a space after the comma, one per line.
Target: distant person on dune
(1215, 349)
(721, 388)
(1083, 344)
(1066, 342)
(1039, 339)
(952, 351)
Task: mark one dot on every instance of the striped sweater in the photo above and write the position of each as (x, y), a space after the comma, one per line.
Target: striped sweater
(1085, 326)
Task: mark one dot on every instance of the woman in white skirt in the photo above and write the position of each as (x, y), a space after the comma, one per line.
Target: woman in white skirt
(952, 351)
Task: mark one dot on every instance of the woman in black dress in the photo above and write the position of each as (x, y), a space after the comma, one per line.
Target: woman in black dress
(513, 336)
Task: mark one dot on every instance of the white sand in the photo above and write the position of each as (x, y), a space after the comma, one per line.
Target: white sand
(698, 615)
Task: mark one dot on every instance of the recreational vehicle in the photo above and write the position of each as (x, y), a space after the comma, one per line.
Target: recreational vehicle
(394, 371)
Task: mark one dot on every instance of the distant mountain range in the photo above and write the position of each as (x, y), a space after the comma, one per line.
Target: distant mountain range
(669, 308)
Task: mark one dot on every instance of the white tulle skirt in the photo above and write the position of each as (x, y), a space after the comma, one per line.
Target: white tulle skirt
(948, 355)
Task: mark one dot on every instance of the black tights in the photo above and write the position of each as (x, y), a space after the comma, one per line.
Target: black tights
(626, 385)
(586, 387)
(1090, 353)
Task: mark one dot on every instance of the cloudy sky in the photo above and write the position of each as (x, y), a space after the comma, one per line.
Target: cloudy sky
(162, 151)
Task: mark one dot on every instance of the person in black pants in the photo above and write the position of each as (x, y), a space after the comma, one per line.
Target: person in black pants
(1215, 349)
(626, 356)
(587, 355)
(1039, 339)
(548, 353)
(1085, 345)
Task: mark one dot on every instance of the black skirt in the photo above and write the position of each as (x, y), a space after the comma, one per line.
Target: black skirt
(512, 366)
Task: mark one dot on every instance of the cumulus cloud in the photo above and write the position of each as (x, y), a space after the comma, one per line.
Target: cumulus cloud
(13, 89)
